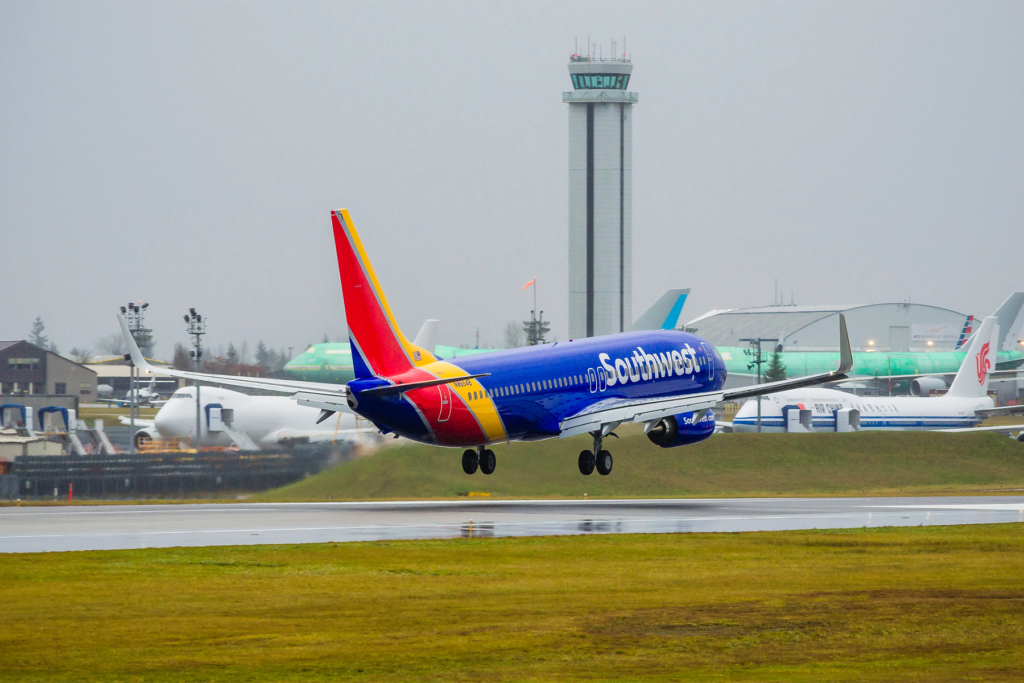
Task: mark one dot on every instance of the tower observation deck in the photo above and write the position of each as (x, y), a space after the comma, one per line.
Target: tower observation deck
(600, 196)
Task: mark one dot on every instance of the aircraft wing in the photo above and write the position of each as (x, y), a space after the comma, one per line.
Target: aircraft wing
(996, 374)
(1005, 429)
(604, 416)
(1004, 410)
(119, 402)
(315, 394)
(127, 422)
(613, 412)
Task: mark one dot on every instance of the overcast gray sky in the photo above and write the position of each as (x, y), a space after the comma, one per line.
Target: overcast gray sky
(189, 154)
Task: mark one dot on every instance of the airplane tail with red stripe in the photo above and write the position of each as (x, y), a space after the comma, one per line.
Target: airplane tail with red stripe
(378, 345)
(972, 378)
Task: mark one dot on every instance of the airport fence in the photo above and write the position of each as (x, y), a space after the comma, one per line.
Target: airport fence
(8, 486)
(164, 474)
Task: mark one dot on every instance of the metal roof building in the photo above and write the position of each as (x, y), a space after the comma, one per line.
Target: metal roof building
(872, 327)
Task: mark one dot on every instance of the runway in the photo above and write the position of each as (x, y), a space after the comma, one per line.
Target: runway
(47, 529)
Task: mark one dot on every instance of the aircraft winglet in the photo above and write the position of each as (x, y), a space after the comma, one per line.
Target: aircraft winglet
(140, 361)
(845, 353)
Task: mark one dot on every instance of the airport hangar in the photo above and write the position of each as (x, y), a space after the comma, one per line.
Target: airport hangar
(36, 377)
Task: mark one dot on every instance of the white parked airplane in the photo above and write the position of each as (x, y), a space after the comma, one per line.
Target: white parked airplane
(256, 422)
(146, 396)
(963, 407)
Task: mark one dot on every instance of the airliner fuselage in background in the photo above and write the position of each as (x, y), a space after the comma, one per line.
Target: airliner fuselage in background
(667, 380)
(269, 421)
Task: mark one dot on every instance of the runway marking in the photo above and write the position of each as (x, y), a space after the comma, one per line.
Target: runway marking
(965, 506)
(261, 507)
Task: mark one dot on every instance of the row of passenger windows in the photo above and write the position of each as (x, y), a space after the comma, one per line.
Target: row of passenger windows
(600, 81)
(529, 387)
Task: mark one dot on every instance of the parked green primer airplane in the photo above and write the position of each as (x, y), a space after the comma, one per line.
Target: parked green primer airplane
(865, 364)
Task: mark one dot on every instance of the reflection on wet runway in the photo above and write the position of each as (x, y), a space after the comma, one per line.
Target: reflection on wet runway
(149, 526)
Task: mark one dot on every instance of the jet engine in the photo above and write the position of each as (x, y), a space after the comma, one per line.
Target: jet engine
(680, 430)
(144, 434)
(923, 386)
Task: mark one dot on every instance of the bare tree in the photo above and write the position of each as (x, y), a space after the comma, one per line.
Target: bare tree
(514, 337)
(112, 345)
(81, 355)
(182, 359)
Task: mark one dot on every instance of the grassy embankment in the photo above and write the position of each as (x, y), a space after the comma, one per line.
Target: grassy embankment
(915, 604)
(725, 465)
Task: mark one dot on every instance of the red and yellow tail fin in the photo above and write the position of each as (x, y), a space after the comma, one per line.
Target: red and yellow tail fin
(376, 338)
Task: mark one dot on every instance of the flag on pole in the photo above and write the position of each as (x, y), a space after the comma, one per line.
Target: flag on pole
(528, 284)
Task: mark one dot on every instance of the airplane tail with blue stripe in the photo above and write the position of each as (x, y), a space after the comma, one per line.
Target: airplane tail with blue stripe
(663, 313)
(965, 334)
(378, 346)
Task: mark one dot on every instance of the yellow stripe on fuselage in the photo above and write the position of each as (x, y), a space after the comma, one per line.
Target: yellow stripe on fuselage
(417, 355)
(483, 408)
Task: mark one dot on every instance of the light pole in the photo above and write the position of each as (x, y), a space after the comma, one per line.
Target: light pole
(197, 328)
(755, 351)
(135, 317)
(536, 327)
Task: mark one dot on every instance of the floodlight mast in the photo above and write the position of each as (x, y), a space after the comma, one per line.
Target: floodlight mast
(135, 317)
(755, 351)
(196, 328)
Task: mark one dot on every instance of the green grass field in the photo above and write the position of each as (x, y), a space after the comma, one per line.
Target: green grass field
(725, 465)
(910, 604)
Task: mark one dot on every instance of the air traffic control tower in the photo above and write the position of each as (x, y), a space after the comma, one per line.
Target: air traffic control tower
(600, 192)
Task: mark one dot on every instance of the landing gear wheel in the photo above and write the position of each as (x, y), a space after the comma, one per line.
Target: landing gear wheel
(470, 462)
(587, 462)
(604, 462)
(487, 461)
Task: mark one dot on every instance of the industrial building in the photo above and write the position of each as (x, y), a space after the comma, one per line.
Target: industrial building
(896, 327)
(35, 377)
(600, 196)
(115, 378)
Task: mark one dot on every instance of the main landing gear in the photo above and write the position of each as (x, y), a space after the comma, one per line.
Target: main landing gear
(482, 458)
(602, 461)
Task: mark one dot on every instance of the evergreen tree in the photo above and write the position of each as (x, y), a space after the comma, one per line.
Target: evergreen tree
(776, 370)
(38, 334)
(232, 354)
(264, 357)
(326, 340)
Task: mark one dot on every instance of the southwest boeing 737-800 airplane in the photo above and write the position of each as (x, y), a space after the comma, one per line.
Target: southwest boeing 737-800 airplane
(665, 379)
